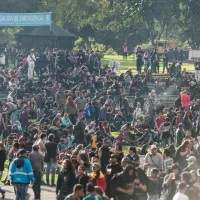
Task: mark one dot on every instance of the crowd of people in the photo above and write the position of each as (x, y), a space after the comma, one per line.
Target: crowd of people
(151, 59)
(59, 116)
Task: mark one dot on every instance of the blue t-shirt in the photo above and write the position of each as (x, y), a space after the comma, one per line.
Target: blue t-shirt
(93, 197)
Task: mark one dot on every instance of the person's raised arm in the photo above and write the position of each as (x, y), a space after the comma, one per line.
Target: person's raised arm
(100, 153)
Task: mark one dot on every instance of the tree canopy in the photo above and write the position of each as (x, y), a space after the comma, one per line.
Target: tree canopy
(113, 22)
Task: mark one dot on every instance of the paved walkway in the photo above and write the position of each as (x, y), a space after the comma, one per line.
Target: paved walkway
(47, 193)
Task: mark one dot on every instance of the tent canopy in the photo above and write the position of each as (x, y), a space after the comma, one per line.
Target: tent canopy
(46, 31)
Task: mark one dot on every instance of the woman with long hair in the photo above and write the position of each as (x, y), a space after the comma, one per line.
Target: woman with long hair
(187, 120)
(141, 184)
(117, 150)
(181, 154)
(66, 180)
(71, 109)
(170, 181)
(75, 155)
(123, 184)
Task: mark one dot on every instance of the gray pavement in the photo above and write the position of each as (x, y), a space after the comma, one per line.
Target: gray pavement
(47, 193)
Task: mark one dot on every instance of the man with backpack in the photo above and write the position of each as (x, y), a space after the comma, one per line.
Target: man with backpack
(21, 174)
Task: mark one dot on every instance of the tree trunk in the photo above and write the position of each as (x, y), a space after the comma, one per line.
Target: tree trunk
(162, 29)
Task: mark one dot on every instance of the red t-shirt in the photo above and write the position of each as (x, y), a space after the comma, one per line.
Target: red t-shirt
(159, 121)
(178, 121)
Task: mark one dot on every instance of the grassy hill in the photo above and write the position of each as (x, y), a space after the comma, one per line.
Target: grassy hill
(131, 63)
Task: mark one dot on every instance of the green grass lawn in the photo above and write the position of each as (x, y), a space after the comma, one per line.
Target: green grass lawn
(131, 63)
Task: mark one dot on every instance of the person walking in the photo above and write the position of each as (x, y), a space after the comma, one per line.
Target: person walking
(31, 64)
(21, 174)
(37, 161)
(66, 180)
(52, 152)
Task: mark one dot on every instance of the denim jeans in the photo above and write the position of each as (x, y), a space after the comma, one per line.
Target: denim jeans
(166, 141)
(1, 173)
(37, 184)
(51, 165)
(2, 190)
(21, 191)
(153, 197)
(13, 116)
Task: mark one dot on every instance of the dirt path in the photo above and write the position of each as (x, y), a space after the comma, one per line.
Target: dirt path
(47, 193)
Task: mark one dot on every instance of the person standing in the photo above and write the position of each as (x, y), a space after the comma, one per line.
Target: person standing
(133, 157)
(66, 180)
(103, 154)
(80, 102)
(24, 119)
(31, 64)
(37, 161)
(197, 71)
(21, 174)
(60, 99)
(181, 154)
(185, 99)
(154, 56)
(123, 183)
(139, 56)
(11, 109)
(153, 160)
(52, 152)
(97, 177)
(125, 51)
(165, 61)
(166, 132)
(113, 168)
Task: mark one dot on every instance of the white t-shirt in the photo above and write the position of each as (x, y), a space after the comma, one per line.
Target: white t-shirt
(180, 196)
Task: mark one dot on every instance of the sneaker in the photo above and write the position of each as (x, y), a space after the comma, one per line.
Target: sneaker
(53, 185)
(7, 183)
(43, 183)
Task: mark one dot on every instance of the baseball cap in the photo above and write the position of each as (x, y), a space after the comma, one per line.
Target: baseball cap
(97, 166)
(153, 146)
(191, 159)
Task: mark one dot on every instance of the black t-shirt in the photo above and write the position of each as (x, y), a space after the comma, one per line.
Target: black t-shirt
(134, 157)
(105, 156)
(51, 149)
(181, 159)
